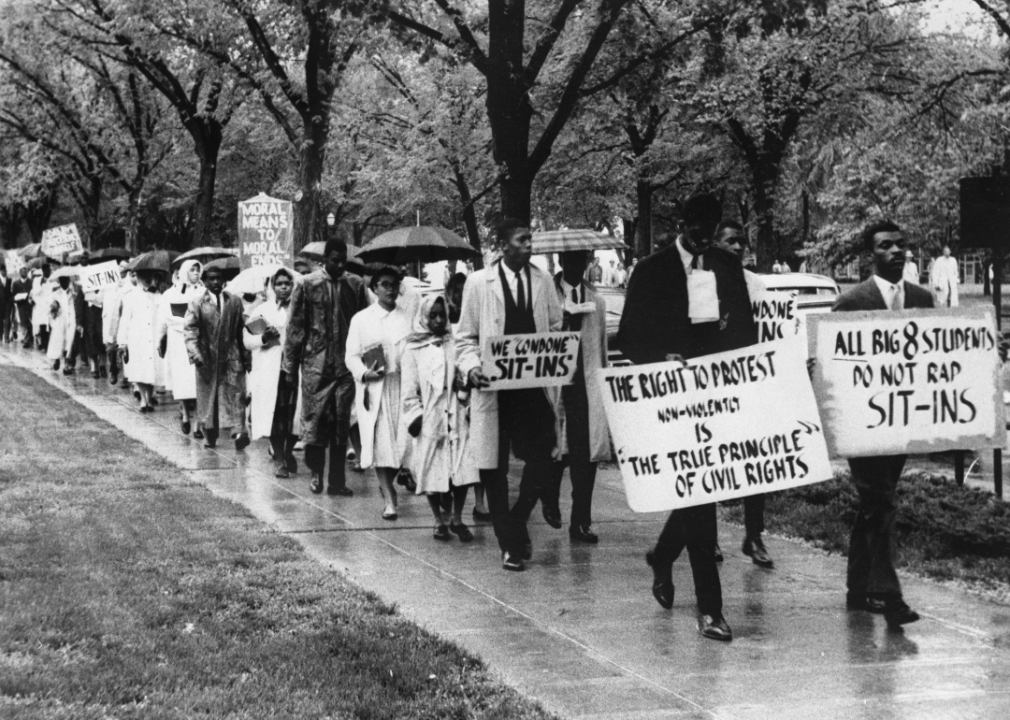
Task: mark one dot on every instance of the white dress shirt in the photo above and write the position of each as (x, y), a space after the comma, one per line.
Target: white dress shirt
(894, 294)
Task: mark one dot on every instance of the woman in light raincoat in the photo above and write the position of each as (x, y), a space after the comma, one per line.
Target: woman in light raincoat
(436, 413)
(274, 402)
(375, 342)
(138, 337)
(180, 375)
(62, 324)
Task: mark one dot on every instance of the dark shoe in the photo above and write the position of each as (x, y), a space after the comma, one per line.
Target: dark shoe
(198, 434)
(755, 547)
(113, 379)
(389, 514)
(897, 613)
(210, 444)
(102, 372)
(860, 601)
(462, 531)
(146, 409)
(241, 442)
(136, 394)
(511, 563)
(662, 580)
(186, 427)
(583, 534)
(553, 517)
(291, 462)
(69, 371)
(477, 515)
(124, 384)
(441, 533)
(56, 365)
(527, 551)
(714, 628)
(316, 485)
(718, 553)
(154, 401)
(341, 491)
(282, 472)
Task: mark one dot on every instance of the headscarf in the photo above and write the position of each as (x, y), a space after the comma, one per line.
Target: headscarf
(182, 289)
(421, 334)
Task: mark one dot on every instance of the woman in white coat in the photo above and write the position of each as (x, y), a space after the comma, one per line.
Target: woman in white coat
(274, 403)
(138, 337)
(375, 341)
(435, 412)
(180, 375)
(39, 295)
(62, 324)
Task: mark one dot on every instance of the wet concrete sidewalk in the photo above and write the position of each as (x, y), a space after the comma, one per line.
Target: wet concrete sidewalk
(579, 630)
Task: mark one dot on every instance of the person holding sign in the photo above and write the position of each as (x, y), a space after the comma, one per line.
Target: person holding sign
(510, 297)
(872, 582)
(584, 439)
(375, 342)
(212, 329)
(686, 301)
(274, 402)
(322, 306)
(729, 236)
(180, 376)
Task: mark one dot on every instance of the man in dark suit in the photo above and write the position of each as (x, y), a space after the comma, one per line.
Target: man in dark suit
(20, 289)
(872, 582)
(656, 326)
(6, 304)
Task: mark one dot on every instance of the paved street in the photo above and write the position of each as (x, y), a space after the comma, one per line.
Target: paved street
(580, 631)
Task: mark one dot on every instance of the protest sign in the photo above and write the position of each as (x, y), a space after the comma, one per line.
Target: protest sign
(265, 232)
(97, 277)
(775, 315)
(914, 381)
(720, 427)
(512, 362)
(14, 262)
(58, 241)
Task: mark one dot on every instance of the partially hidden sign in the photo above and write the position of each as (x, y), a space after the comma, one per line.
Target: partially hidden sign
(512, 362)
(913, 381)
(775, 315)
(98, 277)
(720, 427)
(58, 241)
(265, 232)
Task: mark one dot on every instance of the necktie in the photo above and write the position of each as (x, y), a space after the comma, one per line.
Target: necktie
(898, 301)
(520, 293)
(576, 318)
(695, 262)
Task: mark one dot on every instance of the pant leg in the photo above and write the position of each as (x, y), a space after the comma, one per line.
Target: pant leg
(583, 471)
(550, 492)
(700, 524)
(315, 459)
(754, 515)
(528, 420)
(496, 493)
(872, 567)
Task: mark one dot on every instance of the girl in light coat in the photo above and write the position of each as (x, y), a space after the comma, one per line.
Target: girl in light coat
(275, 409)
(62, 324)
(180, 375)
(435, 412)
(383, 325)
(138, 337)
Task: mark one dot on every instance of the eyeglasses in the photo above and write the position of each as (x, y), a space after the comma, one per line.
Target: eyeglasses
(387, 285)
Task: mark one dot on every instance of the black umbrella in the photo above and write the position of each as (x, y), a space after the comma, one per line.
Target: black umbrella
(204, 254)
(229, 266)
(155, 261)
(416, 244)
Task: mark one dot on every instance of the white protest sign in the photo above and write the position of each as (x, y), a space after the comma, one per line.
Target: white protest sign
(265, 232)
(723, 426)
(14, 263)
(58, 241)
(914, 381)
(96, 277)
(775, 315)
(512, 362)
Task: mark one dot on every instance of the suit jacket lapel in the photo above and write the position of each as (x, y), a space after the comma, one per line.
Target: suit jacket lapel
(876, 300)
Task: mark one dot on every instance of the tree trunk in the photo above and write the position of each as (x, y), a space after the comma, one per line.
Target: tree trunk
(10, 225)
(643, 229)
(630, 227)
(38, 213)
(133, 218)
(309, 221)
(208, 146)
(470, 220)
(765, 249)
(517, 196)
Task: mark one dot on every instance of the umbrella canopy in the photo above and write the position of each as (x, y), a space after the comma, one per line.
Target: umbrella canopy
(30, 252)
(253, 280)
(155, 261)
(112, 253)
(314, 251)
(36, 263)
(70, 271)
(204, 254)
(559, 241)
(230, 266)
(416, 244)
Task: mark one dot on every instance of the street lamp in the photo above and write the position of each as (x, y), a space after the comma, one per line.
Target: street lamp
(331, 219)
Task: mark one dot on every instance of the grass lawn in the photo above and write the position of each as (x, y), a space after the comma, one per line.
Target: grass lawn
(944, 531)
(128, 591)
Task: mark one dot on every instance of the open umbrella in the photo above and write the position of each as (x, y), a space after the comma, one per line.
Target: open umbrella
(70, 271)
(229, 266)
(253, 280)
(155, 261)
(204, 254)
(416, 244)
(112, 253)
(314, 251)
(36, 263)
(559, 241)
(30, 252)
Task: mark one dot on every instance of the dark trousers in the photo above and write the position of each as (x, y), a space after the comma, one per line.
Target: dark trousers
(333, 427)
(525, 427)
(25, 317)
(695, 529)
(754, 515)
(871, 546)
(583, 470)
(112, 352)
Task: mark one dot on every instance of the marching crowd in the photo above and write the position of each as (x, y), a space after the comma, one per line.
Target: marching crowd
(364, 369)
